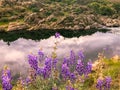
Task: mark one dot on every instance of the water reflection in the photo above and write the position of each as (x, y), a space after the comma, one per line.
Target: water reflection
(15, 55)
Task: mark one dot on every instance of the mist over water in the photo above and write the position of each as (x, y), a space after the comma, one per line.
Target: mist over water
(15, 54)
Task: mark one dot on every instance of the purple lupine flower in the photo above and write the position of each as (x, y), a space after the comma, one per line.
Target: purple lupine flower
(72, 77)
(47, 68)
(80, 67)
(107, 83)
(40, 71)
(72, 58)
(41, 55)
(88, 68)
(57, 35)
(81, 55)
(66, 61)
(65, 71)
(54, 63)
(99, 84)
(28, 80)
(33, 62)
(6, 79)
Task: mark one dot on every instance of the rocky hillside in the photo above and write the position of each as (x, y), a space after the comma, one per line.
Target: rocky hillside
(58, 14)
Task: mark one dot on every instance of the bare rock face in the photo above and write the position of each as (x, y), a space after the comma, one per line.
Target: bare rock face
(111, 22)
(32, 18)
(16, 26)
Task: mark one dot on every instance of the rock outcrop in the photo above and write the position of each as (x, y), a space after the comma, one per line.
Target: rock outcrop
(17, 26)
(110, 22)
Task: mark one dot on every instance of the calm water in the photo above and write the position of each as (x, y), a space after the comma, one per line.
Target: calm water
(15, 54)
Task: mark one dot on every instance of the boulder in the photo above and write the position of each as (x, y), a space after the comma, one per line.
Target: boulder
(111, 22)
(96, 25)
(87, 27)
(17, 26)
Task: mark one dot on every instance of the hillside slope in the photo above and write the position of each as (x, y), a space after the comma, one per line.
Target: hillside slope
(58, 14)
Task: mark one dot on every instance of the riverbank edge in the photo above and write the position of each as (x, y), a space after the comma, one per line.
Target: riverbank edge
(9, 36)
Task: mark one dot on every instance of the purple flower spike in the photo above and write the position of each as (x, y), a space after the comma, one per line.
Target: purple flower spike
(80, 67)
(99, 84)
(6, 79)
(72, 76)
(46, 71)
(41, 55)
(57, 35)
(72, 58)
(65, 71)
(88, 68)
(33, 62)
(107, 83)
(81, 55)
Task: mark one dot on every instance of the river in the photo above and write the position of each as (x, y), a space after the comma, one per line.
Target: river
(15, 54)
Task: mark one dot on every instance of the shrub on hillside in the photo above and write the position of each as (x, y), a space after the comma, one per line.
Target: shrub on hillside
(78, 10)
(35, 9)
(106, 10)
(102, 9)
(116, 6)
(95, 6)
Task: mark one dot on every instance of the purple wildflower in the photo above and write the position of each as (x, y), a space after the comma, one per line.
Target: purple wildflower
(40, 71)
(99, 84)
(41, 55)
(54, 63)
(65, 71)
(72, 76)
(80, 67)
(65, 60)
(28, 80)
(47, 69)
(33, 62)
(107, 83)
(81, 55)
(57, 35)
(88, 68)
(72, 58)
(6, 79)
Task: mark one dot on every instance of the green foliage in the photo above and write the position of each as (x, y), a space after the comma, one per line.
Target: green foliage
(112, 68)
(102, 8)
(4, 19)
(53, 19)
(95, 6)
(78, 10)
(106, 10)
(35, 9)
(116, 6)
(48, 13)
